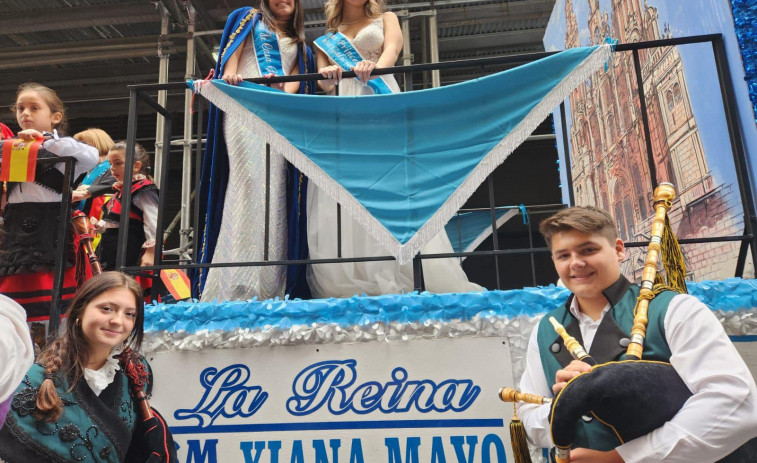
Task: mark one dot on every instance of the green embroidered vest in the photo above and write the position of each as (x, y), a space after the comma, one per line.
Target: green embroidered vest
(90, 429)
(609, 344)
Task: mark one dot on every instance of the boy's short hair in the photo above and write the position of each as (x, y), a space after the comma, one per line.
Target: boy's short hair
(585, 219)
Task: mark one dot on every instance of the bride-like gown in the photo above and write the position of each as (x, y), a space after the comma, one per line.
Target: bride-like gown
(241, 237)
(379, 277)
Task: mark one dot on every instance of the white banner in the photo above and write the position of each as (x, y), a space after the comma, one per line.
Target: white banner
(396, 402)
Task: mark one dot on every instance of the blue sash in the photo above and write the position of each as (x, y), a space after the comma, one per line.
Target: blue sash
(340, 50)
(266, 48)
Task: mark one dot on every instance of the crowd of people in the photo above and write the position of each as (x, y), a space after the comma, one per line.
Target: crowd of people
(80, 381)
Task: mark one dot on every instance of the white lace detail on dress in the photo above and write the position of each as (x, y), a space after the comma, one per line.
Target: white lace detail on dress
(369, 41)
(98, 380)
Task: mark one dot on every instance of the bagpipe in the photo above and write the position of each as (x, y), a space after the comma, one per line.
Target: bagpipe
(630, 397)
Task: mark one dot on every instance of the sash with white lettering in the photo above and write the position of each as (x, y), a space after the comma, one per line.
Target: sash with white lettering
(340, 50)
(266, 48)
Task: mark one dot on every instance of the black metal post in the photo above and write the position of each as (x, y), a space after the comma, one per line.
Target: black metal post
(418, 273)
(131, 139)
(266, 232)
(157, 287)
(737, 146)
(566, 150)
(495, 238)
(64, 219)
(645, 119)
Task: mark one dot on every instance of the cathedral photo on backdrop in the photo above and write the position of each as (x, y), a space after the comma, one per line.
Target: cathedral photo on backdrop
(609, 164)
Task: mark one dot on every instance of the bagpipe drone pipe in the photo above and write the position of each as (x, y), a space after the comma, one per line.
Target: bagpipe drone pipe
(630, 397)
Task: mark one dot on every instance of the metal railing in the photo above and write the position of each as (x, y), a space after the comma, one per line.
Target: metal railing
(748, 239)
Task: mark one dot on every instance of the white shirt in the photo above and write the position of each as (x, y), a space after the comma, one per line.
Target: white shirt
(86, 156)
(16, 350)
(717, 419)
(147, 202)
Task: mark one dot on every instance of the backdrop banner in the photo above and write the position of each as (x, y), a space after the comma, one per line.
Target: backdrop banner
(412, 401)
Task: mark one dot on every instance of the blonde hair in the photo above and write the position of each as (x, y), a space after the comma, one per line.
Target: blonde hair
(585, 219)
(333, 11)
(51, 98)
(295, 27)
(97, 138)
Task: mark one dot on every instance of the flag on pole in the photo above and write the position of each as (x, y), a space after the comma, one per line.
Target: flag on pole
(19, 162)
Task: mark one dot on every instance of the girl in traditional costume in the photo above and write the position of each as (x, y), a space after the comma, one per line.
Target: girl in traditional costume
(30, 218)
(255, 43)
(143, 211)
(362, 37)
(75, 404)
(98, 184)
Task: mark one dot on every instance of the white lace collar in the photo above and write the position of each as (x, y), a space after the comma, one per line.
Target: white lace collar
(98, 380)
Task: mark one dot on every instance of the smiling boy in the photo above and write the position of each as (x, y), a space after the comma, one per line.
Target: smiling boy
(718, 418)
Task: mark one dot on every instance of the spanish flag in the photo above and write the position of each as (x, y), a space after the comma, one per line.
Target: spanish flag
(176, 282)
(19, 160)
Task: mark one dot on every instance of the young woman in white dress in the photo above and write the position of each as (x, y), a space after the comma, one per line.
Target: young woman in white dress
(377, 36)
(240, 238)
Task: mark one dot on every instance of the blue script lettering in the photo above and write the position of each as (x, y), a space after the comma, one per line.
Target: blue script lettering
(226, 394)
(207, 454)
(327, 383)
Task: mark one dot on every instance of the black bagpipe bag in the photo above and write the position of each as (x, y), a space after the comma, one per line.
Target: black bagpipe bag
(633, 397)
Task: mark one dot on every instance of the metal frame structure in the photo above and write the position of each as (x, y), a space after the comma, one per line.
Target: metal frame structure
(138, 92)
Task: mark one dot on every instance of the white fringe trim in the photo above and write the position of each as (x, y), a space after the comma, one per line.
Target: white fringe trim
(404, 253)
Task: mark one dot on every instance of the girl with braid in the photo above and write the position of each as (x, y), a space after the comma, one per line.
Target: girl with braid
(143, 210)
(75, 403)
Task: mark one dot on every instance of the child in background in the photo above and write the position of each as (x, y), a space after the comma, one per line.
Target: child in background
(88, 197)
(143, 211)
(31, 216)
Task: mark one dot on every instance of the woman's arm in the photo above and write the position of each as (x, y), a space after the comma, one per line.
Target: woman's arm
(232, 66)
(392, 41)
(391, 50)
(332, 72)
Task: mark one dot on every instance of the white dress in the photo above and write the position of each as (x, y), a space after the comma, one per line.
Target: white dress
(379, 277)
(241, 237)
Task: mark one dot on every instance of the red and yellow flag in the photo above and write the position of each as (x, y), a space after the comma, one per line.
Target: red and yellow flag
(176, 282)
(19, 160)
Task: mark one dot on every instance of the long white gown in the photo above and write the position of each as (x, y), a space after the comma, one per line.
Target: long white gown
(241, 237)
(371, 278)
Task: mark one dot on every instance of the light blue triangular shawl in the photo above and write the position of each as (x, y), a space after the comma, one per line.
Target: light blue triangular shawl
(402, 164)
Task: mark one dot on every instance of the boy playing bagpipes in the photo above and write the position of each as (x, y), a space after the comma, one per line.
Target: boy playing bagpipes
(718, 412)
